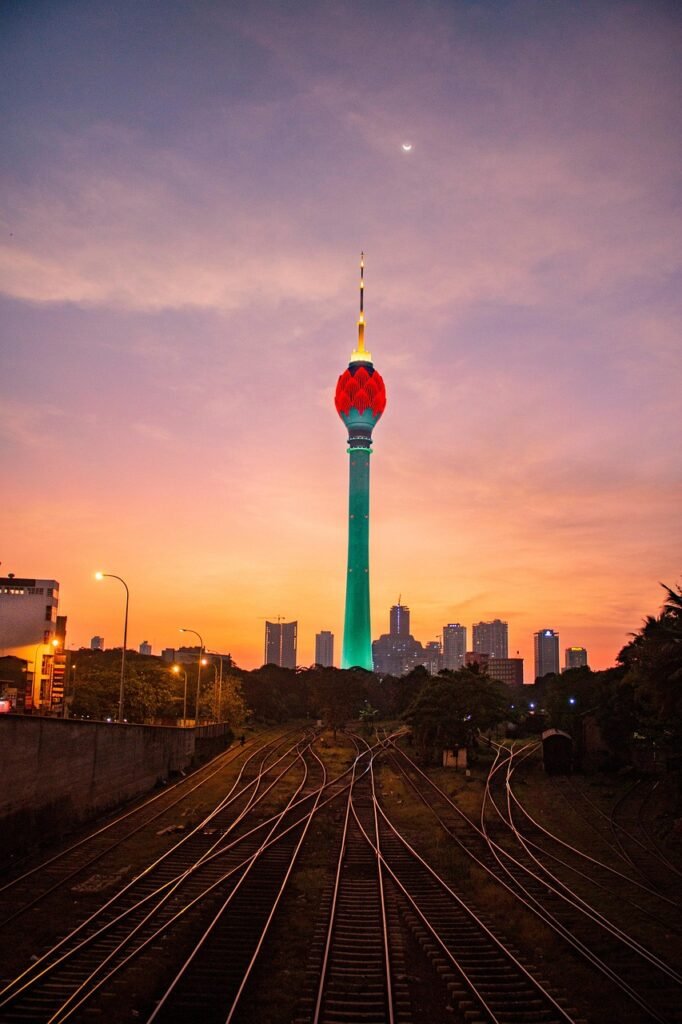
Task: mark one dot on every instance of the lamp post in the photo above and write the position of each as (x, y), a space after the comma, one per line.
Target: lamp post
(110, 575)
(177, 669)
(220, 682)
(199, 660)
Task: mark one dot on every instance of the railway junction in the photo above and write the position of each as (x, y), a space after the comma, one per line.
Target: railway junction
(301, 879)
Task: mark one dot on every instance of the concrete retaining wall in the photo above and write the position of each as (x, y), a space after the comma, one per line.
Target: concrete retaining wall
(55, 773)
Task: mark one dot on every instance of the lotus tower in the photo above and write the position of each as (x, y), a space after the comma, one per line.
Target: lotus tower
(360, 400)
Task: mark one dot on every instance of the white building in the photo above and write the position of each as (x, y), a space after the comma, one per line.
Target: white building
(28, 626)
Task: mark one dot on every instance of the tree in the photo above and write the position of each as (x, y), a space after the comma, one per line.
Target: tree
(652, 664)
(233, 709)
(450, 710)
(338, 695)
(148, 689)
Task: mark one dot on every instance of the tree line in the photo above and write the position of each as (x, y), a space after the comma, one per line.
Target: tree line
(640, 696)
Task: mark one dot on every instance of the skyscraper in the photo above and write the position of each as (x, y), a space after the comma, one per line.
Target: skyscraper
(575, 657)
(360, 400)
(397, 651)
(145, 647)
(280, 643)
(491, 638)
(97, 643)
(546, 652)
(399, 620)
(324, 648)
(454, 645)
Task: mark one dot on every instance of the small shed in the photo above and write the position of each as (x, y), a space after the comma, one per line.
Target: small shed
(456, 758)
(557, 752)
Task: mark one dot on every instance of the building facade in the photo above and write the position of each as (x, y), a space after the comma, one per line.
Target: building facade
(454, 646)
(575, 657)
(360, 400)
(281, 640)
(97, 643)
(145, 647)
(28, 630)
(399, 620)
(491, 638)
(397, 652)
(433, 657)
(324, 648)
(546, 643)
(506, 670)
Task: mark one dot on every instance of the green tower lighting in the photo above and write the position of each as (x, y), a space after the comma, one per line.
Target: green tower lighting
(360, 400)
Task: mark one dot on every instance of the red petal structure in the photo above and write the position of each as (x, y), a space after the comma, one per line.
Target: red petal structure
(360, 387)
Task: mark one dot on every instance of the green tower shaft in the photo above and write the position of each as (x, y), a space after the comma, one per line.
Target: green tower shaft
(357, 636)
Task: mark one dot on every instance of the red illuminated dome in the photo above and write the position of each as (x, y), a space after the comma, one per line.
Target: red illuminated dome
(361, 387)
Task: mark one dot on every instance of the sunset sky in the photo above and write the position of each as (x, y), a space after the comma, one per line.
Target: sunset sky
(187, 188)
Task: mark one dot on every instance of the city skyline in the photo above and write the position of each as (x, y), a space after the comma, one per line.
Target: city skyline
(186, 198)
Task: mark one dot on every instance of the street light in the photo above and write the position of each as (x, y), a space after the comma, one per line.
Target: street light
(110, 575)
(199, 660)
(177, 669)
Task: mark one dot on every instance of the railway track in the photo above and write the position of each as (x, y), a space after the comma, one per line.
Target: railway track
(357, 967)
(32, 886)
(630, 890)
(646, 980)
(170, 898)
(386, 899)
(394, 943)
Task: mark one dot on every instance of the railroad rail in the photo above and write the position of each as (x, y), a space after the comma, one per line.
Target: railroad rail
(32, 886)
(523, 879)
(385, 897)
(165, 896)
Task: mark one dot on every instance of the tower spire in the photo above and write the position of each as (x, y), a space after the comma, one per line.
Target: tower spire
(360, 354)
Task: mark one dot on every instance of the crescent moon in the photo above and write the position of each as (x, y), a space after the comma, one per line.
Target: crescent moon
(407, 146)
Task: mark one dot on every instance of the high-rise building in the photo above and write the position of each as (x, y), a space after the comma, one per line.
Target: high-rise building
(397, 652)
(491, 638)
(28, 626)
(360, 400)
(280, 643)
(575, 657)
(506, 670)
(97, 643)
(399, 619)
(454, 645)
(145, 647)
(324, 648)
(546, 652)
